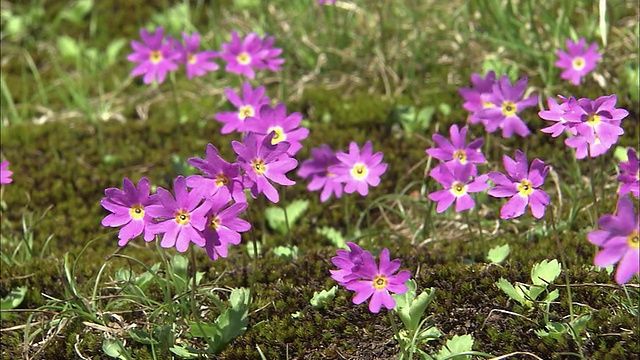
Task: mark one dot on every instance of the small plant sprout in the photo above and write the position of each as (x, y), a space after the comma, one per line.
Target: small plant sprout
(542, 274)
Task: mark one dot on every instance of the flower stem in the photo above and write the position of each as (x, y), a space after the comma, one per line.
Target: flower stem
(473, 242)
(566, 276)
(396, 333)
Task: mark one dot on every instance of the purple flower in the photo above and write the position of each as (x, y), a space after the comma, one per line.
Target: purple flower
(197, 63)
(219, 176)
(223, 225)
(181, 219)
(459, 151)
(358, 169)
(285, 128)
(579, 61)
(557, 113)
(155, 56)
(473, 95)
(263, 161)
(348, 263)
(323, 2)
(630, 174)
(507, 103)
(129, 207)
(247, 106)
(597, 121)
(619, 241)
(244, 56)
(317, 168)
(522, 185)
(457, 182)
(269, 54)
(371, 281)
(5, 173)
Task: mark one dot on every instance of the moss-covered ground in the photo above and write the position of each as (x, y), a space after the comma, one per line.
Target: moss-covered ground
(73, 127)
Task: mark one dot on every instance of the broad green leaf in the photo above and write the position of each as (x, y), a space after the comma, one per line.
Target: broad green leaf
(180, 265)
(552, 296)
(545, 272)
(184, 353)
(445, 109)
(286, 252)
(334, 236)
(410, 307)
(204, 330)
(276, 215)
(251, 250)
(13, 299)
(578, 325)
(76, 12)
(113, 50)
(455, 345)
(498, 254)
(142, 337)
(68, 47)
(423, 120)
(322, 298)
(512, 292)
(114, 348)
(620, 154)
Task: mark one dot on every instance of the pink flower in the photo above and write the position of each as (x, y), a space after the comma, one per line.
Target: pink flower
(129, 207)
(619, 241)
(579, 61)
(359, 170)
(285, 127)
(197, 63)
(457, 182)
(5, 173)
(247, 106)
(244, 57)
(155, 56)
(317, 169)
(630, 174)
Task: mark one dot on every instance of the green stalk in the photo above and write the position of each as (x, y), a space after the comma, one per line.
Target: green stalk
(396, 332)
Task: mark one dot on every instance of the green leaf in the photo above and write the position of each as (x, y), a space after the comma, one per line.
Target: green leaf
(516, 294)
(334, 236)
(445, 109)
(250, 249)
(411, 308)
(423, 120)
(13, 299)
(322, 298)
(68, 47)
(185, 353)
(286, 252)
(545, 272)
(112, 51)
(142, 337)
(578, 325)
(455, 345)
(114, 348)
(276, 215)
(180, 265)
(620, 154)
(77, 11)
(498, 254)
(552, 296)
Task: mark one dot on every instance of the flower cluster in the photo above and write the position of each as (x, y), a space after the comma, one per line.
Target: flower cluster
(496, 103)
(359, 272)
(594, 124)
(157, 55)
(356, 170)
(578, 61)
(620, 241)
(457, 172)
(5, 174)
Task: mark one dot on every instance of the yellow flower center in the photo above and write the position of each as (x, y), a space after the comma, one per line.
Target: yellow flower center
(182, 217)
(593, 119)
(278, 136)
(191, 58)
(487, 105)
(525, 188)
(461, 156)
(359, 171)
(458, 188)
(222, 180)
(509, 108)
(258, 166)
(380, 282)
(214, 223)
(633, 240)
(245, 111)
(578, 63)
(155, 56)
(137, 212)
(243, 58)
